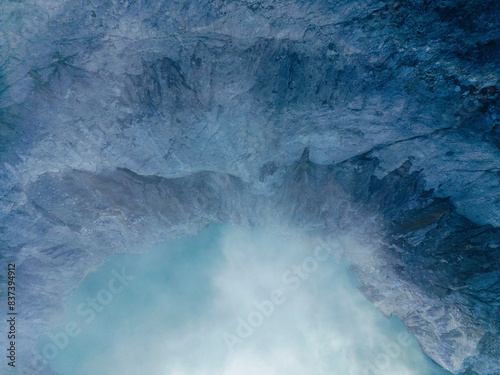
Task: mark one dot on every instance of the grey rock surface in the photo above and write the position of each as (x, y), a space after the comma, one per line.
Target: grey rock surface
(125, 123)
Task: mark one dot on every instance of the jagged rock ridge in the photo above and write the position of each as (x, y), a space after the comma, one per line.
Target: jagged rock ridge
(127, 123)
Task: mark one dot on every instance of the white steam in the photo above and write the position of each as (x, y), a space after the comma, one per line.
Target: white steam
(232, 302)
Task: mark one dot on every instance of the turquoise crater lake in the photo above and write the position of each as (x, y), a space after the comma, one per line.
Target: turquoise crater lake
(228, 301)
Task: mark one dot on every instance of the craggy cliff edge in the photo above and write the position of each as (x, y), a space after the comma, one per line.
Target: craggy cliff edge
(124, 123)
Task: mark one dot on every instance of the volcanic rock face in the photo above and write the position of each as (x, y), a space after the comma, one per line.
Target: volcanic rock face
(125, 123)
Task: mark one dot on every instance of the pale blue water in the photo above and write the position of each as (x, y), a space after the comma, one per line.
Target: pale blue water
(192, 302)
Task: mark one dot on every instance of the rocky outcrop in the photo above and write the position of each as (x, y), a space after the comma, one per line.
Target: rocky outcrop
(127, 123)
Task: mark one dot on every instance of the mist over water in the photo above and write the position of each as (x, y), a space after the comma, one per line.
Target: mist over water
(231, 302)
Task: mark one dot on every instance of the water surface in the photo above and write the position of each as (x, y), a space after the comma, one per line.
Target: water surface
(230, 302)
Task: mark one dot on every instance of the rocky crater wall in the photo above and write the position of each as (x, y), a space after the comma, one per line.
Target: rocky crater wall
(127, 123)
